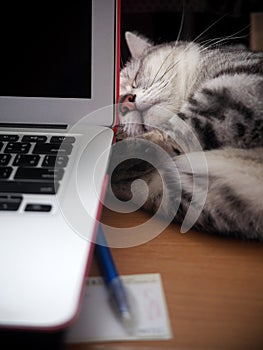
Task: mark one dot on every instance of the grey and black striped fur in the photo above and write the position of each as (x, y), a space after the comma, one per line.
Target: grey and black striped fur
(204, 107)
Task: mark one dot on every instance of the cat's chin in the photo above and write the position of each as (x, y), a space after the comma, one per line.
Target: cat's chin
(134, 129)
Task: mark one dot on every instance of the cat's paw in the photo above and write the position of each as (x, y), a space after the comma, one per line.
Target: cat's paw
(139, 158)
(120, 133)
(164, 140)
(130, 158)
(129, 169)
(134, 156)
(128, 163)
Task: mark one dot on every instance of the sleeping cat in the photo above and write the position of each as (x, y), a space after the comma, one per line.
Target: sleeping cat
(204, 107)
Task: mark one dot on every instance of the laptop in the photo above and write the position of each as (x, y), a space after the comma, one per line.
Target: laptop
(59, 79)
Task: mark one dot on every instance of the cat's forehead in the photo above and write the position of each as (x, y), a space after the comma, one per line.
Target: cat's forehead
(155, 58)
(156, 55)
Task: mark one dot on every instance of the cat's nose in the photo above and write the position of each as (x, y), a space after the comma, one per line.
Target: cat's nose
(127, 103)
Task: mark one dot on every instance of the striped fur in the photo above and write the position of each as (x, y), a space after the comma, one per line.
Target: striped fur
(218, 95)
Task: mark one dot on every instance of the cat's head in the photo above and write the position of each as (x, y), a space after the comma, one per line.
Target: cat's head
(155, 82)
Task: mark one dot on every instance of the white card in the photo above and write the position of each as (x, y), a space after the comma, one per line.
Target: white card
(98, 322)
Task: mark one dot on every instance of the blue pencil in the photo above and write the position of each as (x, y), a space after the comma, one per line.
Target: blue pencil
(112, 278)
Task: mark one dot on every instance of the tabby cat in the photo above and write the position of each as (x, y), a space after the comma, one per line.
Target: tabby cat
(194, 102)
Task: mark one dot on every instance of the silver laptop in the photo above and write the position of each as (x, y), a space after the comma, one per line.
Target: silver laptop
(58, 89)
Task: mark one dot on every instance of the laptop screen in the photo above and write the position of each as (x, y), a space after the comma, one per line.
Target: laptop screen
(57, 62)
(47, 53)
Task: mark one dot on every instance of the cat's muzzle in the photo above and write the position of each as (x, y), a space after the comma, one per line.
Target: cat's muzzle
(127, 104)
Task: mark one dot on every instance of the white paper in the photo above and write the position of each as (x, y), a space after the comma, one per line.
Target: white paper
(98, 322)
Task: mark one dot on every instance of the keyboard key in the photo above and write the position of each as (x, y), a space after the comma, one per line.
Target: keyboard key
(4, 159)
(26, 160)
(10, 203)
(52, 148)
(51, 161)
(17, 147)
(60, 139)
(34, 138)
(48, 174)
(35, 207)
(9, 138)
(32, 187)
(5, 172)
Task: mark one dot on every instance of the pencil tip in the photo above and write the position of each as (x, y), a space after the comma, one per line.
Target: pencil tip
(126, 316)
(128, 321)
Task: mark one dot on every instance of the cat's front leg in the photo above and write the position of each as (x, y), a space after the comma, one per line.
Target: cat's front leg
(133, 157)
(164, 139)
(134, 169)
(141, 183)
(144, 190)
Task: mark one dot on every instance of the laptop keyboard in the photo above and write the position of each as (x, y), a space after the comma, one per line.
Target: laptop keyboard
(31, 164)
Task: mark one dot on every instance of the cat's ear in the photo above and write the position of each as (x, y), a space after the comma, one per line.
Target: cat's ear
(136, 44)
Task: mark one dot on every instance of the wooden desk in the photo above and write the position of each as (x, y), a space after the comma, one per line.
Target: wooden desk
(213, 287)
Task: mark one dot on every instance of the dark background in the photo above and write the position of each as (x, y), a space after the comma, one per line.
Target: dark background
(160, 20)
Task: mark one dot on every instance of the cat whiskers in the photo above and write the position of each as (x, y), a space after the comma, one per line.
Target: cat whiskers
(181, 26)
(218, 41)
(158, 71)
(169, 68)
(154, 91)
(209, 27)
(161, 78)
(177, 39)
